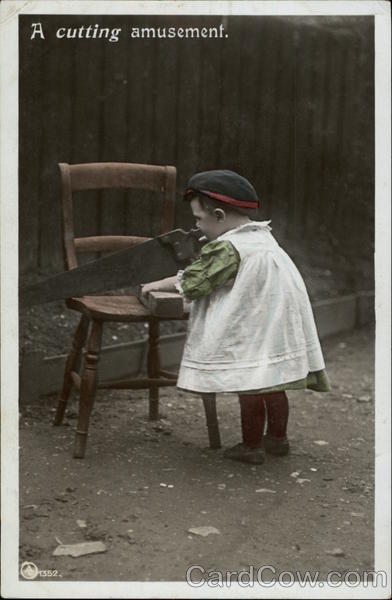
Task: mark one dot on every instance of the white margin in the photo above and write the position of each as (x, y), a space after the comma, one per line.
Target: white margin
(382, 554)
(202, 7)
(9, 294)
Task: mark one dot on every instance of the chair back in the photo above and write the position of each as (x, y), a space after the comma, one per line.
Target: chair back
(107, 175)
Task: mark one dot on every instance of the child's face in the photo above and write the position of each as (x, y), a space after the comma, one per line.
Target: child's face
(206, 221)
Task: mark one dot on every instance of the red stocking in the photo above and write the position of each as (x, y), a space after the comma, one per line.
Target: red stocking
(252, 419)
(278, 413)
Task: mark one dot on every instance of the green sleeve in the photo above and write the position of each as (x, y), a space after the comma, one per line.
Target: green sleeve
(216, 265)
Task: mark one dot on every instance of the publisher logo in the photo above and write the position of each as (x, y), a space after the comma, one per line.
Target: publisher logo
(29, 570)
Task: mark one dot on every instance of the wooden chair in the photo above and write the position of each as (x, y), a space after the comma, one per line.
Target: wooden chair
(96, 310)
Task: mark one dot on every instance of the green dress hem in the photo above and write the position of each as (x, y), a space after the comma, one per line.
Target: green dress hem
(317, 381)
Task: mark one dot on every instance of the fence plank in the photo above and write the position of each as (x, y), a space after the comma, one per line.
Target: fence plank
(87, 130)
(281, 166)
(30, 144)
(164, 118)
(114, 126)
(302, 82)
(210, 103)
(266, 111)
(315, 172)
(56, 123)
(230, 114)
(188, 107)
(139, 218)
(250, 153)
(332, 153)
(309, 167)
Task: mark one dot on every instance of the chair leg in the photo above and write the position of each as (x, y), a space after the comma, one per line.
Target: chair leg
(153, 368)
(72, 359)
(209, 402)
(88, 388)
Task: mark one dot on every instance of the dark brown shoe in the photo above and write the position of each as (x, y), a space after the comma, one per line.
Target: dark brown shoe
(242, 453)
(275, 445)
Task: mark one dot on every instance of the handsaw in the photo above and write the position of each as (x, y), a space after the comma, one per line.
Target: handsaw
(149, 261)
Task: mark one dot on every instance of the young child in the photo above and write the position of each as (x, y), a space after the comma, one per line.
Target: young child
(251, 328)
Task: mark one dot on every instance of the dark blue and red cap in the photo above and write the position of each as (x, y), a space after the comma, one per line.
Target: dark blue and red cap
(224, 186)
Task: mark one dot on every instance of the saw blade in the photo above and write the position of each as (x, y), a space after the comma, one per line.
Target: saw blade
(143, 263)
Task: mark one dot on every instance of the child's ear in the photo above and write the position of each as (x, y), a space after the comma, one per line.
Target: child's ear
(219, 214)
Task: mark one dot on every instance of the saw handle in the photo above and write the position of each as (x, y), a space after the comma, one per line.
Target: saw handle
(185, 245)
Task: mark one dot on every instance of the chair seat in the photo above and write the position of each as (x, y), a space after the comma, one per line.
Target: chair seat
(110, 308)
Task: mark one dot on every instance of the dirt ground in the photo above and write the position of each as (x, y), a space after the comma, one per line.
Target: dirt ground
(143, 485)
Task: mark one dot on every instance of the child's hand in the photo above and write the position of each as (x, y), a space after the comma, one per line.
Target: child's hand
(162, 285)
(153, 286)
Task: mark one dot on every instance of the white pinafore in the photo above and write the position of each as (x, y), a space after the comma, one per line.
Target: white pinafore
(257, 331)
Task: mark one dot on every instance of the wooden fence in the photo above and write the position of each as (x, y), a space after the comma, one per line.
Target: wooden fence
(286, 101)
